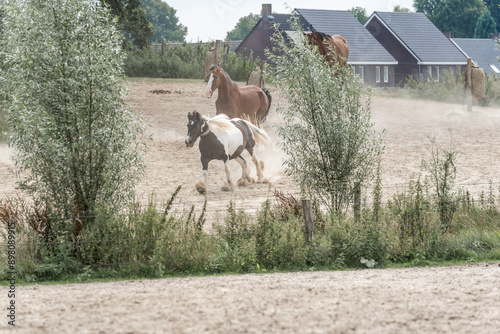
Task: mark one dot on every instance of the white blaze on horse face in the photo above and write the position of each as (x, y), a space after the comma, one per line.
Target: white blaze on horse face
(208, 90)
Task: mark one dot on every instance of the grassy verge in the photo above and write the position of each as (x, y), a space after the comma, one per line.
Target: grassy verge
(151, 242)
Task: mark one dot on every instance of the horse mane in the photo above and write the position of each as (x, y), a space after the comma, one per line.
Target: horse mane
(221, 121)
(228, 78)
(323, 35)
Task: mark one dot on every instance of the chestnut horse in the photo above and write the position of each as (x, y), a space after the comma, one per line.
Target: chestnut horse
(249, 102)
(327, 43)
(225, 139)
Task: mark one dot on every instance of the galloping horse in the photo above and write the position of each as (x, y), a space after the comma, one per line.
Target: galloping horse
(225, 139)
(249, 102)
(327, 43)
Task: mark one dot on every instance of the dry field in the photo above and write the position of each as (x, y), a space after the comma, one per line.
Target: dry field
(461, 299)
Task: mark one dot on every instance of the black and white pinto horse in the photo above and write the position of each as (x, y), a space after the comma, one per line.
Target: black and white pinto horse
(225, 139)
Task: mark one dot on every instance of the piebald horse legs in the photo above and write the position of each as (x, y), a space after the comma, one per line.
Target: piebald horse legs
(245, 175)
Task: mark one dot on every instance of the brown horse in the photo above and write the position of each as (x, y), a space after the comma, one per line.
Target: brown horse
(249, 102)
(327, 43)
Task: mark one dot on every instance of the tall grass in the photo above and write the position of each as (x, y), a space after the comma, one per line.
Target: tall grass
(451, 89)
(154, 241)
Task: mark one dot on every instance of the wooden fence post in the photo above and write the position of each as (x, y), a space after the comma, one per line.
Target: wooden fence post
(217, 52)
(357, 201)
(469, 84)
(163, 48)
(308, 219)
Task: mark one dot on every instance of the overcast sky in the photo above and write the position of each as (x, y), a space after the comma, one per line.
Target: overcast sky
(212, 19)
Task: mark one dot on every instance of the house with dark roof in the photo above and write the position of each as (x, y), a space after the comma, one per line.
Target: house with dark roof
(421, 49)
(484, 53)
(374, 64)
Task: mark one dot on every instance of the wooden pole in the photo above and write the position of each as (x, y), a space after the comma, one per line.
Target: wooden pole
(163, 48)
(308, 219)
(357, 201)
(469, 84)
(217, 52)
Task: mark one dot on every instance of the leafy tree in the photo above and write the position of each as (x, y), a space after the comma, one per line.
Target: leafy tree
(132, 20)
(494, 8)
(485, 25)
(399, 9)
(74, 137)
(165, 23)
(327, 132)
(359, 13)
(243, 27)
(457, 16)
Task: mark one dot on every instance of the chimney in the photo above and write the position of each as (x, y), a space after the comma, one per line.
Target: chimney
(267, 9)
(447, 34)
(495, 35)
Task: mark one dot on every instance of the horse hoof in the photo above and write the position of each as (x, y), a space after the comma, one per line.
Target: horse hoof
(242, 182)
(227, 187)
(264, 180)
(202, 189)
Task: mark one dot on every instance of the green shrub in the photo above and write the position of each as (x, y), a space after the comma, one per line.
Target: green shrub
(185, 61)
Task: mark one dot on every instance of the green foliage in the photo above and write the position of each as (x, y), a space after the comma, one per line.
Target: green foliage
(494, 7)
(443, 173)
(400, 9)
(132, 21)
(154, 240)
(457, 16)
(243, 27)
(165, 24)
(238, 65)
(359, 13)
(75, 138)
(448, 89)
(184, 61)
(485, 25)
(327, 132)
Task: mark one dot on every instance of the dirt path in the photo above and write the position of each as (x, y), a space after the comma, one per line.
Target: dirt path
(463, 299)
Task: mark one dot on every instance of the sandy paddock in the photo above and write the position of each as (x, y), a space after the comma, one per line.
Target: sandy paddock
(408, 125)
(462, 299)
(420, 300)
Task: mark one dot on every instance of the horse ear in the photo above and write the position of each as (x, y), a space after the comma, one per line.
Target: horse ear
(196, 115)
(189, 115)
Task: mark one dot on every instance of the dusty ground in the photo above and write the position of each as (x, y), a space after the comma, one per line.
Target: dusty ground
(461, 299)
(408, 124)
(420, 300)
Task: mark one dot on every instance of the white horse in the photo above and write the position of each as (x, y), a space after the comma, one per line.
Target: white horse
(225, 139)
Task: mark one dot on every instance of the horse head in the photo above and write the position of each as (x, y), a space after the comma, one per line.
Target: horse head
(196, 128)
(314, 38)
(213, 83)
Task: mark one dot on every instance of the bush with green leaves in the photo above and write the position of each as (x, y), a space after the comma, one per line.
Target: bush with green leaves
(185, 61)
(327, 133)
(76, 141)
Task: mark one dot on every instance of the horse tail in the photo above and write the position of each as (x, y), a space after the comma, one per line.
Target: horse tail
(268, 94)
(261, 137)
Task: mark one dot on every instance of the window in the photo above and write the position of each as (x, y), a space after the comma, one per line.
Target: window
(377, 74)
(361, 73)
(429, 73)
(386, 73)
(437, 73)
